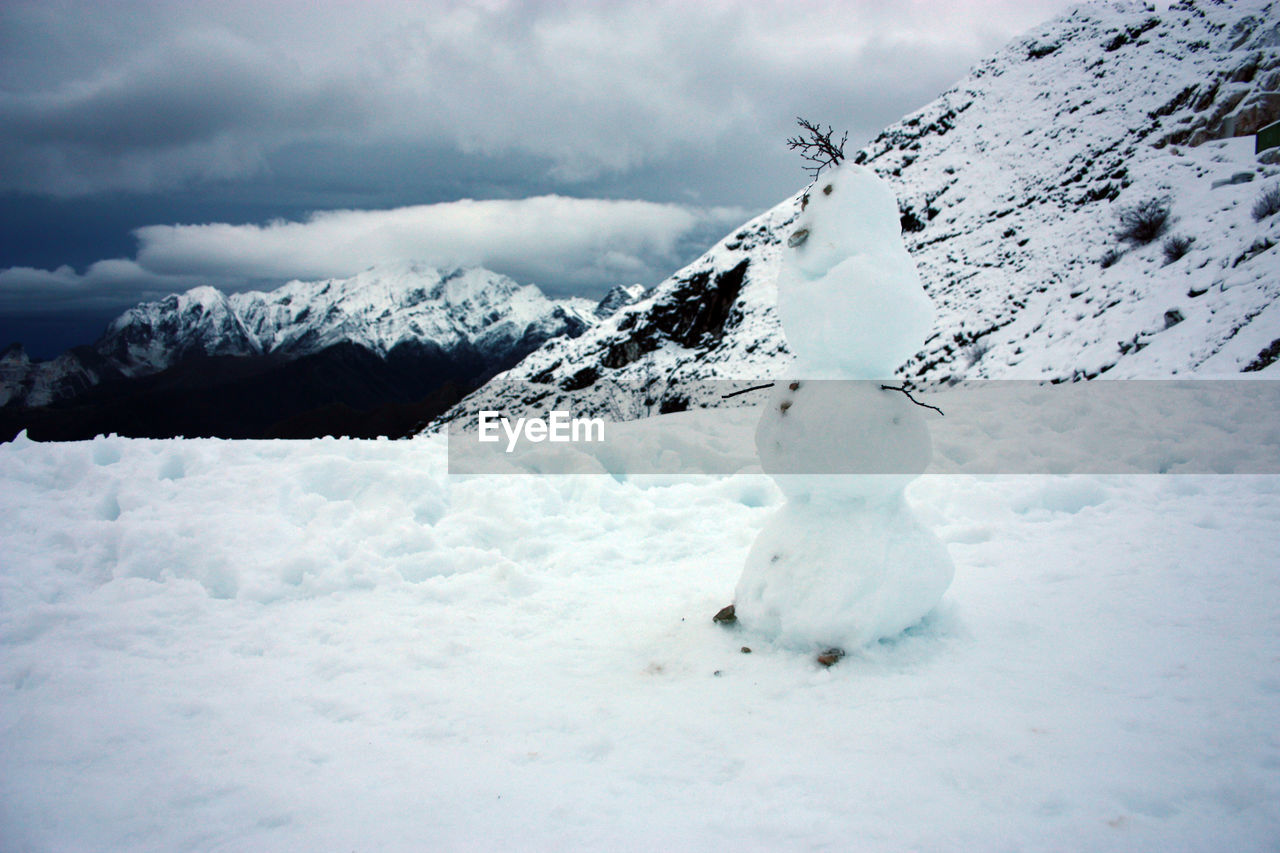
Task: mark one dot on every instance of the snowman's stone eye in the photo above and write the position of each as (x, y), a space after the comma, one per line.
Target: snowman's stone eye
(827, 189)
(798, 237)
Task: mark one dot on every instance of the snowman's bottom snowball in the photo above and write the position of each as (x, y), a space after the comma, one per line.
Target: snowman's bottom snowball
(841, 574)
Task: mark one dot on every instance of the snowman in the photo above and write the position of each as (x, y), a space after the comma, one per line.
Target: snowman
(844, 562)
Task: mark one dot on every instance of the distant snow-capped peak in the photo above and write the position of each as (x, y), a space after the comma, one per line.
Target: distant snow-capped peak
(377, 309)
(486, 313)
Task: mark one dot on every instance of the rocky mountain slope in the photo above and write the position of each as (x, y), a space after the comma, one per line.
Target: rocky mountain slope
(1012, 187)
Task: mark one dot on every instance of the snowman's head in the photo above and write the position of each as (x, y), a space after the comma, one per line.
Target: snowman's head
(847, 211)
(849, 298)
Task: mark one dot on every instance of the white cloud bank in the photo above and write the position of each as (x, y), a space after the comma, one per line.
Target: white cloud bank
(569, 243)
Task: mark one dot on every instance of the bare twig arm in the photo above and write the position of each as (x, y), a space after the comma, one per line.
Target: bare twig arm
(747, 391)
(904, 390)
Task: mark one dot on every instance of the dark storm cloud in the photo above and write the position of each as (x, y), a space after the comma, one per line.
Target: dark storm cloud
(144, 96)
(308, 112)
(205, 105)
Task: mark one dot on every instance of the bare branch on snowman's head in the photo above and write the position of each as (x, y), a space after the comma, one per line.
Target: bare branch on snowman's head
(817, 147)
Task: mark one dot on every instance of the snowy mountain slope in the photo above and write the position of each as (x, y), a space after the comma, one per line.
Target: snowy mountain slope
(486, 314)
(1013, 181)
(1010, 186)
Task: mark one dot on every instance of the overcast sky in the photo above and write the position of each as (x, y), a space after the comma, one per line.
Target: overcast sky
(146, 147)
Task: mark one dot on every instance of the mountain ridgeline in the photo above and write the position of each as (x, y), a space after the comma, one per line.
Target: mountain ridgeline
(377, 354)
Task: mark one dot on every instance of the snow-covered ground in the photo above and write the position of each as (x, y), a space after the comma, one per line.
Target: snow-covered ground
(332, 645)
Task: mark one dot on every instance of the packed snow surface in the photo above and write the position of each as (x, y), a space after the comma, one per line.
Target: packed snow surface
(332, 645)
